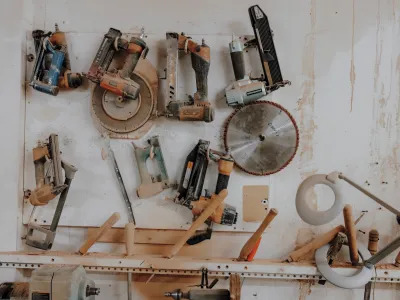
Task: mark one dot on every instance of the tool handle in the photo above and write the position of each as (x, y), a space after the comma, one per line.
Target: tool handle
(351, 233)
(253, 252)
(216, 200)
(130, 238)
(135, 49)
(237, 57)
(225, 167)
(98, 233)
(201, 66)
(373, 238)
(316, 243)
(397, 260)
(250, 244)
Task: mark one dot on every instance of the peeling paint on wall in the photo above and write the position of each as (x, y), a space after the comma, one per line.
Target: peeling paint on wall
(306, 104)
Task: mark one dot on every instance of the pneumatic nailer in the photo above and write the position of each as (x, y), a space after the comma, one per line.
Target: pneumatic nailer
(246, 89)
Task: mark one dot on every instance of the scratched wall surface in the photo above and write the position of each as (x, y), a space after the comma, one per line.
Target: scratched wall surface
(343, 58)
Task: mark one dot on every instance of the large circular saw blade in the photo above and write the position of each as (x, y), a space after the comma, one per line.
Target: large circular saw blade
(262, 137)
(130, 118)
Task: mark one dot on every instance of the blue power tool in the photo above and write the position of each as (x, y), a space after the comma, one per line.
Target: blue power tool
(52, 67)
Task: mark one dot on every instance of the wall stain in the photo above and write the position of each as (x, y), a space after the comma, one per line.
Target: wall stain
(352, 66)
(306, 104)
(304, 289)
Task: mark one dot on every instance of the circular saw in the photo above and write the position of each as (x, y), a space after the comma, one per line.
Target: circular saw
(262, 137)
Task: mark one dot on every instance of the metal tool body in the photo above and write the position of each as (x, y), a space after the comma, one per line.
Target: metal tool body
(52, 68)
(197, 108)
(191, 186)
(245, 90)
(262, 137)
(363, 275)
(48, 173)
(125, 94)
(118, 82)
(53, 282)
(151, 184)
(219, 294)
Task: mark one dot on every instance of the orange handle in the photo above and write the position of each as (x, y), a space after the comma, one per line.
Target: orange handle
(253, 252)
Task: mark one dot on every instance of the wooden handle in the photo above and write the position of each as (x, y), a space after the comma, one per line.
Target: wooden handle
(397, 260)
(234, 286)
(351, 233)
(316, 243)
(98, 233)
(129, 238)
(250, 244)
(373, 238)
(216, 200)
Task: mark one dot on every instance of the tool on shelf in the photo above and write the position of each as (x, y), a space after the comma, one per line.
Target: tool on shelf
(351, 233)
(314, 217)
(245, 89)
(52, 282)
(49, 184)
(196, 108)
(52, 67)
(130, 227)
(151, 184)
(361, 276)
(191, 186)
(213, 204)
(250, 248)
(206, 294)
(125, 95)
(373, 238)
(262, 137)
(91, 239)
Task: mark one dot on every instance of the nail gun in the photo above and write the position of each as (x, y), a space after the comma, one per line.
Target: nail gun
(197, 108)
(191, 186)
(118, 82)
(49, 184)
(52, 68)
(246, 89)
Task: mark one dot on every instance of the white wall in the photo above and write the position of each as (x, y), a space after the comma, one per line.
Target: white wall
(343, 58)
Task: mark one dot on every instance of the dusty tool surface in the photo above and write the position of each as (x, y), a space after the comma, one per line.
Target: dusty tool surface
(262, 137)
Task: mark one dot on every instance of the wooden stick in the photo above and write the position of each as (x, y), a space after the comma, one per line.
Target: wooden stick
(351, 233)
(316, 243)
(129, 238)
(373, 238)
(216, 201)
(235, 286)
(91, 239)
(397, 260)
(250, 244)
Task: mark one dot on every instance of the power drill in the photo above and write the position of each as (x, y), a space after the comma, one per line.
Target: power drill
(198, 108)
(52, 68)
(246, 89)
(118, 82)
(191, 186)
(200, 295)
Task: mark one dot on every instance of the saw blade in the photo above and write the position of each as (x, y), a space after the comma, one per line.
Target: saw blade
(262, 137)
(135, 117)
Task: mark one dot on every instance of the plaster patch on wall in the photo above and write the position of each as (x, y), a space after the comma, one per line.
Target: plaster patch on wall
(306, 104)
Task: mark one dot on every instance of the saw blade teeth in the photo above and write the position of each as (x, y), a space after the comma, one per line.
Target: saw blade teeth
(258, 169)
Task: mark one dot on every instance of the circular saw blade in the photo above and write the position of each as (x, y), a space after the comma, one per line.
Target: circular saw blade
(137, 117)
(262, 137)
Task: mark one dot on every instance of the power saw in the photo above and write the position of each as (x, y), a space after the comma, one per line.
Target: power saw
(245, 89)
(124, 97)
(262, 137)
(52, 67)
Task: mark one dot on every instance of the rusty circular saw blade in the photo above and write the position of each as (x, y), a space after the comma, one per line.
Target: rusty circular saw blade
(262, 137)
(137, 120)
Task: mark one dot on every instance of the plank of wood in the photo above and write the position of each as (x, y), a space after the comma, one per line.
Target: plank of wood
(235, 286)
(255, 202)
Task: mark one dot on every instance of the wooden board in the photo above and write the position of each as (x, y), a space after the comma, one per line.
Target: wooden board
(255, 202)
